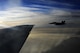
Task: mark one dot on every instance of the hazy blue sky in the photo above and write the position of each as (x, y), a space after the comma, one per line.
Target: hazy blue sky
(38, 12)
(71, 4)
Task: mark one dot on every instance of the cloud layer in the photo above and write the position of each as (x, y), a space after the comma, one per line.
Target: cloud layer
(39, 15)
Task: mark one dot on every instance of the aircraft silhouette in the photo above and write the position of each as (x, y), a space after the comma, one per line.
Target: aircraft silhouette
(13, 38)
(58, 23)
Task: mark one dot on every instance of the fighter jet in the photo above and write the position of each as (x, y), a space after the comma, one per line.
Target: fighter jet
(13, 38)
(58, 23)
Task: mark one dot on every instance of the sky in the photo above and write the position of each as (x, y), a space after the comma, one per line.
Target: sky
(71, 4)
(37, 12)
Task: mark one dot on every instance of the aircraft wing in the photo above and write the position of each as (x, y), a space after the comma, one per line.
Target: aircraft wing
(12, 39)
